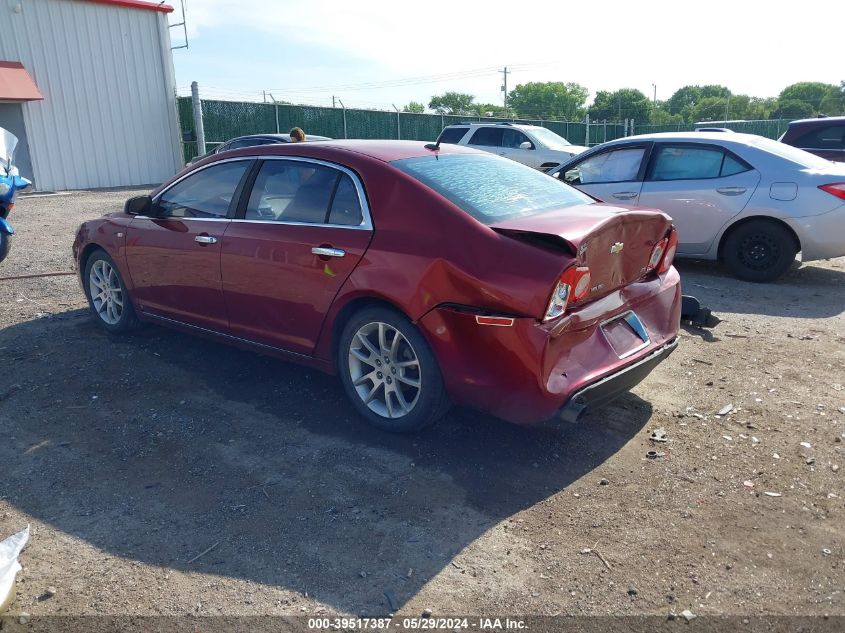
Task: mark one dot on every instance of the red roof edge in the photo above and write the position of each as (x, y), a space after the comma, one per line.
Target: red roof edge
(138, 4)
(16, 84)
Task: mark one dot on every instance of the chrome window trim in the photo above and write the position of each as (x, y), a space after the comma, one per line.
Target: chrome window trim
(188, 175)
(366, 222)
(366, 218)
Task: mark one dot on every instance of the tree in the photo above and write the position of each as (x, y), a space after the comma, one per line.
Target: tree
(452, 103)
(684, 100)
(810, 92)
(492, 110)
(551, 99)
(712, 109)
(792, 109)
(626, 103)
(415, 107)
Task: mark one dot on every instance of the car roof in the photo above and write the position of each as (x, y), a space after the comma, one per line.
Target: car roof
(285, 138)
(496, 123)
(821, 120)
(382, 150)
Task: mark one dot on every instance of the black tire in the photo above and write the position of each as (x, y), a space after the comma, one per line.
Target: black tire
(127, 320)
(430, 402)
(759, 251)
(5, 245)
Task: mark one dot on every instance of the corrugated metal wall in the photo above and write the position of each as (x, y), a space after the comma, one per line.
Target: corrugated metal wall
(108, 117)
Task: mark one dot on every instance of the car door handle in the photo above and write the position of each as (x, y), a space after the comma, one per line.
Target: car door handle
(625, 195)
(731, 191)
(205, 239)
(324, 251)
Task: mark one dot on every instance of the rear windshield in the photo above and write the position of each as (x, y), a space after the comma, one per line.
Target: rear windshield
(489, 188)
(792, 154)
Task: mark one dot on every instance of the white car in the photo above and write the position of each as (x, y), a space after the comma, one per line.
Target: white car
(530, 145)
(742, 199)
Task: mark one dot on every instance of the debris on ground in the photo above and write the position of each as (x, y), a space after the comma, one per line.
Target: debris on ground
(728, 408)
(688, 615)
(773, 494)
(659, 435)
(10, 549)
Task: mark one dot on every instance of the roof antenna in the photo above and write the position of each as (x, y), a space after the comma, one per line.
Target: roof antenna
(434, 147)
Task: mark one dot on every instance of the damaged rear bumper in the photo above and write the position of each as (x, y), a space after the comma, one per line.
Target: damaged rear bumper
(612, 386)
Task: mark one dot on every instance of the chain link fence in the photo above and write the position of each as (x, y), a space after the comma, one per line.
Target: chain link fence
(223, 120)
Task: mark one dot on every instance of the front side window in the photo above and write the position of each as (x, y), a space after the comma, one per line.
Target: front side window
(619, 165)
(694, 163)
(294, 191)
(452, 134)
(487, 136)
(514, 138)
(489, 188)
(206, 194)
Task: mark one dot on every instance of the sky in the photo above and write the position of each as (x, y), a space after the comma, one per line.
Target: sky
(376, 53)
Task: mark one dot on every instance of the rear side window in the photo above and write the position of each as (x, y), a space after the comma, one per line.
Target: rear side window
(292, 191)
(488, 136)
(831, 137)
(452, 134)
(207, 193)
(619, 165)
(489, 188)
(346, 206)
(296, 191)
(693, 163)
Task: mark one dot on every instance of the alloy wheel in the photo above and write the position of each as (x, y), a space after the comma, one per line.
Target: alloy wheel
(385, 370)
(106, 292)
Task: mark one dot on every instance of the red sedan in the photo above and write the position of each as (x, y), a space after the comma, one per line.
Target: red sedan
(423, 275)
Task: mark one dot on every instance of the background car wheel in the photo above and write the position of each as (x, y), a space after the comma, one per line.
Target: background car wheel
(5, 245)
(106, 294)
(759, 251)
(389, 371)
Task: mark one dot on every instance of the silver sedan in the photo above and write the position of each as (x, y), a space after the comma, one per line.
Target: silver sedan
(748, 201)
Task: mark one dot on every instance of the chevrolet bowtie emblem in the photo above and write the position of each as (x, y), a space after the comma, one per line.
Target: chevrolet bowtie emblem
(616, 248)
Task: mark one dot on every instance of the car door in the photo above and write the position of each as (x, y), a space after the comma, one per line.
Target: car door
(701, 186)
(511, 141)
(488, 139)
(300, 232)
(613, 175)
(173, 255)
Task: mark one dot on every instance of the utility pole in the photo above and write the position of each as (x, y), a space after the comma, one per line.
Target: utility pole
(333, 101)
(199, 131)
(727, 108)
(505, 86)
(654, 100)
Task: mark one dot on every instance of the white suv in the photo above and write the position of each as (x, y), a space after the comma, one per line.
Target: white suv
(531, 145)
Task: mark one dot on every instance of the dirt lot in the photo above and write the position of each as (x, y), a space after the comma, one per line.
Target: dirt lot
(131, 457)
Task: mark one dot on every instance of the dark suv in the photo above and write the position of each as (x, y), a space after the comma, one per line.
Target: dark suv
(823, 137)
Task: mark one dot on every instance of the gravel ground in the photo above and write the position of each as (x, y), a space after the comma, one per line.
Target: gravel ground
(166, 474)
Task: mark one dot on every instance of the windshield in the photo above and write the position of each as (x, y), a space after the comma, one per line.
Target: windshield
(792, 154)
(549, 138)
(8, 142)
(489, 188)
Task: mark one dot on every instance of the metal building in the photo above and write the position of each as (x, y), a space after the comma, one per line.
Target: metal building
(88, 87)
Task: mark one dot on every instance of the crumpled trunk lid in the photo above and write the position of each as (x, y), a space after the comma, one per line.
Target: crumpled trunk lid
(614, 242)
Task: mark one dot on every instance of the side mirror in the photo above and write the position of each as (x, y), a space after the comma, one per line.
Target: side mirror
(20, 183)
(526, 145)
(139, 205)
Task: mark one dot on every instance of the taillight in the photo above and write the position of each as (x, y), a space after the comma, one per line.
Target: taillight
(835, 189)
(574, 285)
(657, 254)
(671, 249)
(663, 253)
